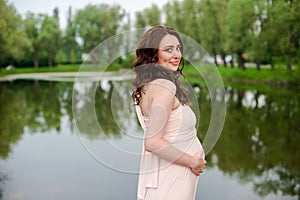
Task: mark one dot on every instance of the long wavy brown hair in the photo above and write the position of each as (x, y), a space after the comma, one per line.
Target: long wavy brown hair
(146, 68)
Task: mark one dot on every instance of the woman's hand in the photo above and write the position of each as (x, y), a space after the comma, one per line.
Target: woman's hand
(198, 164)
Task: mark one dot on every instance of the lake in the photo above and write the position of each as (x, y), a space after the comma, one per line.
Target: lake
(53, 148)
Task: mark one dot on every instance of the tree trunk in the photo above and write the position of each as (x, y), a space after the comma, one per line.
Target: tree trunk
(223, 58)
(241, 62)
(257, 64)
(215, 60)
(232, 63)
(35, 60)
(35, 63)
(215, 57)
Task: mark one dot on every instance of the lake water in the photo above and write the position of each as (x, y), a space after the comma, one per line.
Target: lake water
(51, 148)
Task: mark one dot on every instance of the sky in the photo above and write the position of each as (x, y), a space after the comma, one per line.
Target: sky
(47, 6)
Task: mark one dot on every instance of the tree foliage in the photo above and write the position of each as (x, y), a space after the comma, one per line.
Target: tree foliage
(12, 39)
(267, 31)
(31, 26)
(212, 22)
(50, 35)
(95, 23)
(44, 34)
(148, 17)
(70, 48)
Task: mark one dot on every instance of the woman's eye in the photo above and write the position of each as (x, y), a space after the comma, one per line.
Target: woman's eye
(168, 49)
(178, 48)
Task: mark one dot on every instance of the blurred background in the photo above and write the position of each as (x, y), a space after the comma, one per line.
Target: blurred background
(254, 44)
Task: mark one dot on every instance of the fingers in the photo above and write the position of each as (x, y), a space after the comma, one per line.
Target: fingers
(200, 164)
(197, 172)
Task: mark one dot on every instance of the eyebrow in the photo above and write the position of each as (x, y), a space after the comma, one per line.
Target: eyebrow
(171, 46)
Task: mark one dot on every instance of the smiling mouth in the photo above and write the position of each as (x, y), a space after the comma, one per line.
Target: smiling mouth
(174, 63)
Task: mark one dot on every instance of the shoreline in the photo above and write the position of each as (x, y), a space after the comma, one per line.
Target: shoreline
(123, 74)
(69, 76)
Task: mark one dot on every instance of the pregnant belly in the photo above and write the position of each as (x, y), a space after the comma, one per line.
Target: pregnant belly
(191, 147)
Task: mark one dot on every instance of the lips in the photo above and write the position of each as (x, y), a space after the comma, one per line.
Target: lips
(175, 63)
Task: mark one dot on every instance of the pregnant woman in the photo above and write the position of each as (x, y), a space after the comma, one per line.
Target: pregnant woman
(172, 157)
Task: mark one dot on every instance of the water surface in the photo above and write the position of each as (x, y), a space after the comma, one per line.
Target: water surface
(44, 156)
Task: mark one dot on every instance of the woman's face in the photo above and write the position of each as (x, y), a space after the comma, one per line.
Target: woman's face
(169, 54)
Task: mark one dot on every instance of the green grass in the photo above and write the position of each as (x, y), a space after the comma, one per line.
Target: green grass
(265, 76)
(59, 68)
(280, 75)
(231, 76)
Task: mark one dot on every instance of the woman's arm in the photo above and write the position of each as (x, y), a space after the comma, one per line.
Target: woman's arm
(161, 104)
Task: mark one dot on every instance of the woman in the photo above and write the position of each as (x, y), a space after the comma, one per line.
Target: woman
(172, 157)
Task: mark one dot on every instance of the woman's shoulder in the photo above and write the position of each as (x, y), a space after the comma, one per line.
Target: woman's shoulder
(164, 84)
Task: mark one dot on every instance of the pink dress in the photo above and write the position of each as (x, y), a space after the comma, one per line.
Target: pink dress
(160, 179)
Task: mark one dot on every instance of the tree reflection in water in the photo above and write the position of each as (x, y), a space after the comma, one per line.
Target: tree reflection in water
(3, 179)
(260, 140)
(259, 143)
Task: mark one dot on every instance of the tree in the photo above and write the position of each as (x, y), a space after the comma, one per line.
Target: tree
(95, 23)
(192, 12)
(185, 18)
(13, 41)
(213, 23)
(69, 45)
(174, 15)
(50, 34)
(239, 22)
(148, 17)
(32, 28)
(266, 33)
(285, 17)
(128, 40)
(259, 44)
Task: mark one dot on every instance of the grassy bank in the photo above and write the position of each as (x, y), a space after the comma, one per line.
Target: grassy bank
(232, 76)
(59, 68)
(251, 76)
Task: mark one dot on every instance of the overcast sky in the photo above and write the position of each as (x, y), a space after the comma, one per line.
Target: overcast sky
(47, 6)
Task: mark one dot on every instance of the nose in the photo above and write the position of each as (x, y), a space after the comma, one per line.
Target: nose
(176, 53)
